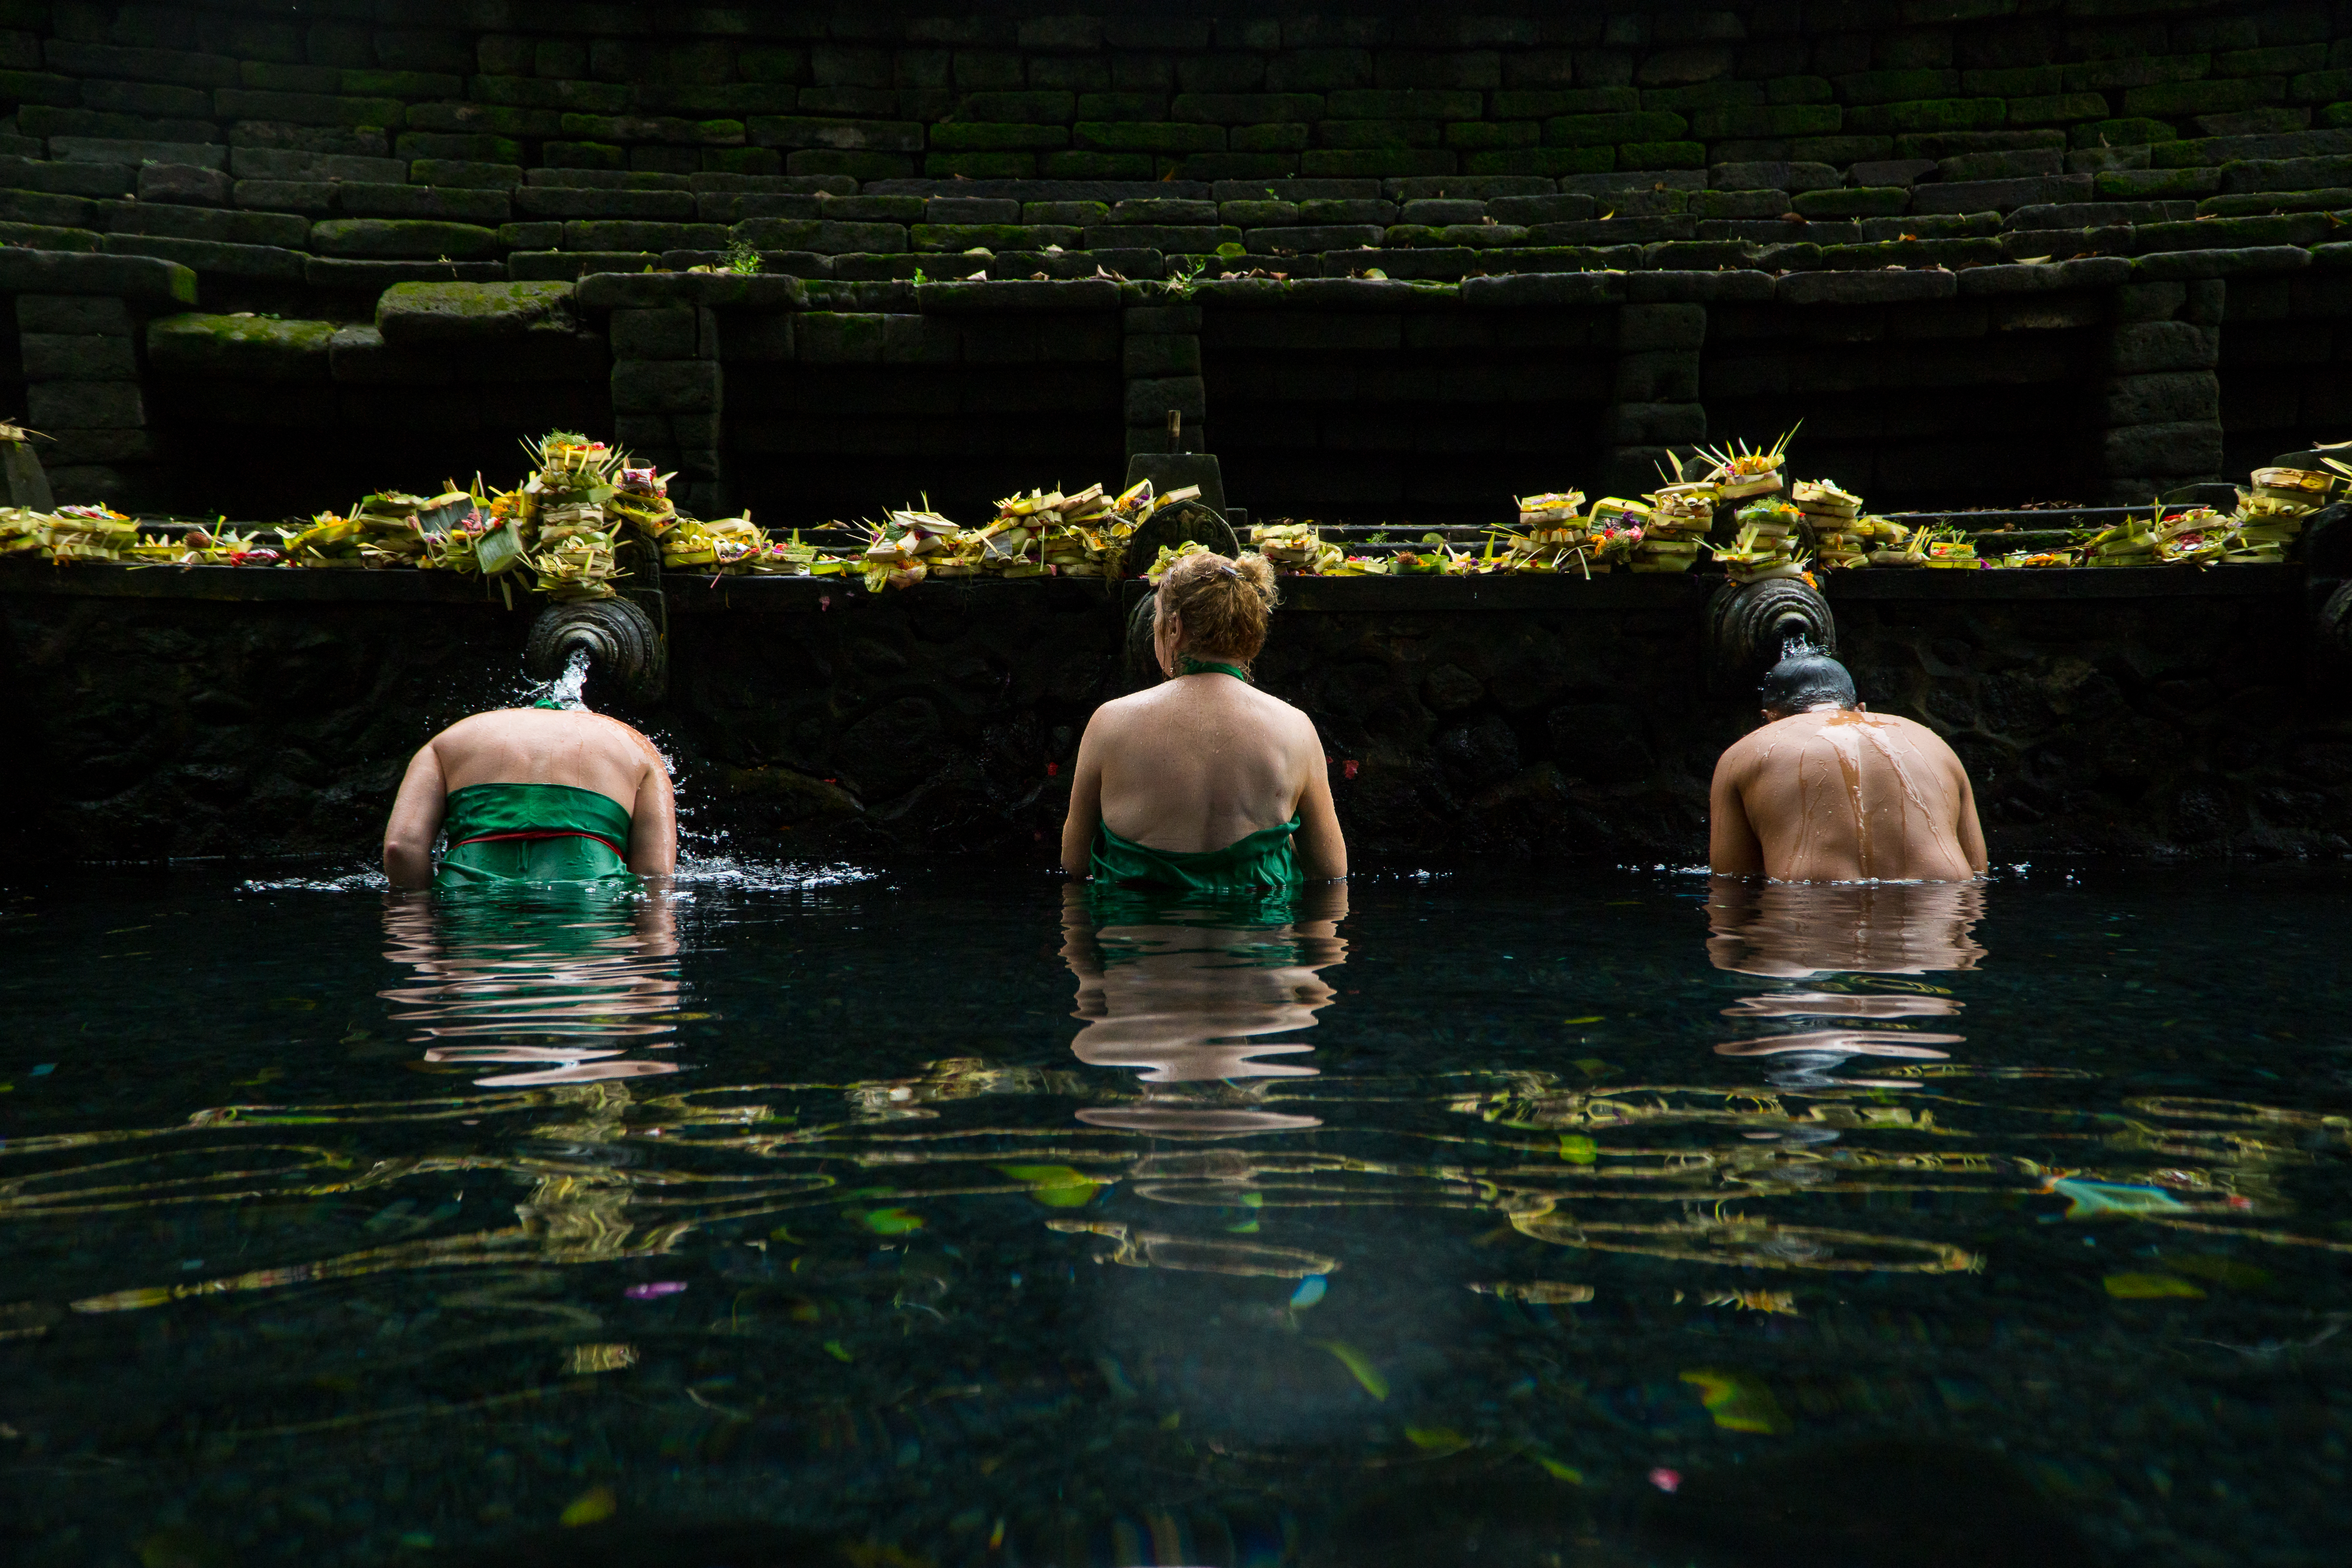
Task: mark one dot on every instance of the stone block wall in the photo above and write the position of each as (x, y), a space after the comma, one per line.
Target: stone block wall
(297, 166)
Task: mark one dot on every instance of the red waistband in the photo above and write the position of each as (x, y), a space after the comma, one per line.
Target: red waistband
(544, 833)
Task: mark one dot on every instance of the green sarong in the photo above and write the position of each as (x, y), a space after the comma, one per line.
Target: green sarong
(1262, 862)
(532, 832)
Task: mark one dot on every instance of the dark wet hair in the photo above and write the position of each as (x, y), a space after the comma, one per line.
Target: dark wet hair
(1806, 679)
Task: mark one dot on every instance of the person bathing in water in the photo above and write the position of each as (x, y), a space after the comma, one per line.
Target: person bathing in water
(1826, 791)
(532, 795)
(1204, 783)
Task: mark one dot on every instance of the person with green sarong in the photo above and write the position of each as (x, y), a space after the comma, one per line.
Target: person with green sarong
(1204, 784)
(543, 794)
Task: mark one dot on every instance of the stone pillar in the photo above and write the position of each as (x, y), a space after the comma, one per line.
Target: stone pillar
(1654, 401)
(81, 374)
(2159, 403)
(1161, 361)
(668, 394)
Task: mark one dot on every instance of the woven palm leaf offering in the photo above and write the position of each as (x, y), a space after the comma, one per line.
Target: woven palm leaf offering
(329, 540)
(1435, 559)
(2309, 486)
(1951, 548)
(640, 499)
(687, 545)
(1765, 546)
(2131, 542)
(1614, 531)
(22, 531)
(1831, 513)
(1740, 471)
(1681, 515)
(893, 557)
(1294, 547)
(2194, 536)
(2264, 528)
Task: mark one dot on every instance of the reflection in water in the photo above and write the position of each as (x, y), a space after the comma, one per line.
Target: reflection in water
(556, 983)
(1190, 995)
(1800, 930)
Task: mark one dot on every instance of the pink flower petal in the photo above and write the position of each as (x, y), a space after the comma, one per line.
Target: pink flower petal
(648, 1292)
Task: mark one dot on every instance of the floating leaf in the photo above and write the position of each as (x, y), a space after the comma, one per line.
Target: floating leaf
(2221, 1271)
(833, 1348)
(886, 1221)
(1738, 1402)
(2150, 1286)
(1544, 1291)
(1558, 1471)
(1578, 1149)
(1310, 1291)
(1358, 1366)
(1436, 1439)
(1056, 1186)
(589, 1508)
(2092, 1199)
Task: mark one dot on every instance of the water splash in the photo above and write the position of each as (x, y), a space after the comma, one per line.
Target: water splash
(567, 689)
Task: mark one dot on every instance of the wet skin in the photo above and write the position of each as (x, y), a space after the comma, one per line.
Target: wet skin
(533, 745)
(1199, 762)
(1842, 795)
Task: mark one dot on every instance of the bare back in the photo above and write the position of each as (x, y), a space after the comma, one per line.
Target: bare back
(535, 746)
(1198, 763)
(1837, 795)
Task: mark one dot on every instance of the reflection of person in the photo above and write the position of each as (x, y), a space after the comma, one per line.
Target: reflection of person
(1793, 931)
(1204, 783)
(551, 991)
(1826, 791)
(1188, 997)
(532, 795)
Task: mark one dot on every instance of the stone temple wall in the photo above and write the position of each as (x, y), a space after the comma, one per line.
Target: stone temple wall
(297, 162)
(2139, 713)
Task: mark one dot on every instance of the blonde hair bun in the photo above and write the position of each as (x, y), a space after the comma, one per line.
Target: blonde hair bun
(1224, 603)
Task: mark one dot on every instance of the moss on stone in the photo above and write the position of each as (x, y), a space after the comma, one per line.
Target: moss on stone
(244, 348)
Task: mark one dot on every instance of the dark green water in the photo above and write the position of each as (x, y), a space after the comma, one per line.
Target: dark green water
(921, 1219)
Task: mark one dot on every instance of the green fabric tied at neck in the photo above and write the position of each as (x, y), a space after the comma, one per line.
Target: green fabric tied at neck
(1189, 665)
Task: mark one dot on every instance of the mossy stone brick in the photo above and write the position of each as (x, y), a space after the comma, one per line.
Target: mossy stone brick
(596, 201)
(1595, 129)
(875, 209)
(306, 108)
(1761, 203)
(1045, 108)
(1163, 210)
(2283, 60)
(82, 356)
(2061, 108)
(494, 119)
(1082, 213)
(209, 223)
(1098, 166)
(114, 96)
(546, 235)
(981, 165)
(1662, 155)
(585, 155)
(2139, 69)
(365, 200)
(1320, 70)
(35, 120)
(1770, 120)
(1347, 210)
(1542, 160)
(671, 386)
(1931, 115)
(412, 145)
(628, 234)
(1402, 104)
(81, 315)
(240, 348)
(1863, 202)
(837, 135)
(1357, 164)
(1839, 151)
(1156, 355)
(1146, 136)
(2014, 81)
(277, 76)
(2204, 96)
(1484, 136)
(400, 84)
(2156, 184)
(935, 238)
(1546, 104)
(85, 406)
(665, 332)
(427, 313)
(1894, 87)
(1267, 138)
(2136, 132)
(1094, 105)
(1246, 107)
(1184, 238)
(1379, 133)
(1707, 95)
(2321, 87)
(184, 68)
(824, 237)
(403, 237)
(963, 136)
